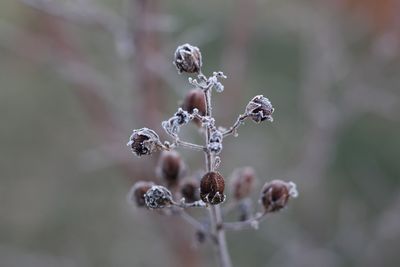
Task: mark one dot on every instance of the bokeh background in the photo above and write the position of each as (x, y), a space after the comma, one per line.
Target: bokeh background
(77, 76)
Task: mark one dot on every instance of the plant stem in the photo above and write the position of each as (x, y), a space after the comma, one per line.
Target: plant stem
(215, 211)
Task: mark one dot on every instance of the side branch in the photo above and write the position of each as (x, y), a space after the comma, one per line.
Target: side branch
(235, 126)
(250, 223)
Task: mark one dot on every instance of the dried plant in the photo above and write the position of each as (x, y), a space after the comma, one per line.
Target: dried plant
(182, 193)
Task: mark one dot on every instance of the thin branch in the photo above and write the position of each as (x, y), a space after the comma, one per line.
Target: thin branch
(215, 211)
(190, 145)
(235, 126)
(250, 223)
(182, 204)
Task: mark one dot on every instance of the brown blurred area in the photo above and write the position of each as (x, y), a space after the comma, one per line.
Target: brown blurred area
(381, 14)
(77, 76)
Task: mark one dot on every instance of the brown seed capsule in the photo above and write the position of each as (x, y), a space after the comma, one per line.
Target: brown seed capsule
(260, 109)
(158, 197)
(143, 141)
(212, 187)
(275, 194)
(195, 99)
(190, 190)
(170, 167)
(137, 192)
(242, 182)
(187, 58)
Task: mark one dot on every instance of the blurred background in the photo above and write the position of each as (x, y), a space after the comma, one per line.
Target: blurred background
(77, 76)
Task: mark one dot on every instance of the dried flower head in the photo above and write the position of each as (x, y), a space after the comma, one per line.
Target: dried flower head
(137, 192)
(260, 109)
(242, 182)
(275, 194)
(190, 190)
(212, 187)
(144, 141)
(187, 58)
(158, 197)
(170, 167)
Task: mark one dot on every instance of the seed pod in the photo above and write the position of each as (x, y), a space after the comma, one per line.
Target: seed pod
(143, 141)
(170, 167)
(187, 58)
(275, 194)
(137, 192)
(242, 182)
(190, 190)
(260, 109)
(194, 99)
(158, 197)
(212, 187)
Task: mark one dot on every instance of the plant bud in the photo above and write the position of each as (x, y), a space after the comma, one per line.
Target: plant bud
(170, 167)
(275, 194)
(137, 192)
(243, 182)
(187, 58)
(215, 142)
(260, 109)
(212, 187)
(194, 99)
(158, 197)
(143, 141)
(190, 190)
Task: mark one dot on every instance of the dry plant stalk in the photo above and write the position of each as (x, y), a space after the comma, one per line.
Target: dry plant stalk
(179, 193)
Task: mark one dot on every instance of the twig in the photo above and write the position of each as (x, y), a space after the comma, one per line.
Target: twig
(235, 126)
(250, 223)
(190, 145)
(182, 204)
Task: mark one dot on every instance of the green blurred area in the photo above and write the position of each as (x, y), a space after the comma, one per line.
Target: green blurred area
(335, 88)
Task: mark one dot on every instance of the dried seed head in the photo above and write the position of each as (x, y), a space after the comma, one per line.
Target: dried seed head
(143, 141)
(194, 99)
(275, 194)
(212, 187)
(190, 190)
(187, 58)
(137, 192)
(242, 182)
(215, 142)
(158, 197)
(260, 109)
(170, 167)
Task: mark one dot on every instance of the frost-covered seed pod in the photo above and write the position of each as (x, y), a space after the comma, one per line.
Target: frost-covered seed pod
(275, 194)
(187, 58)
(242, 182)
(170, 167)
(260, 109)
(143, 141)
(158, 197)
(137, 192)
(212, 187)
